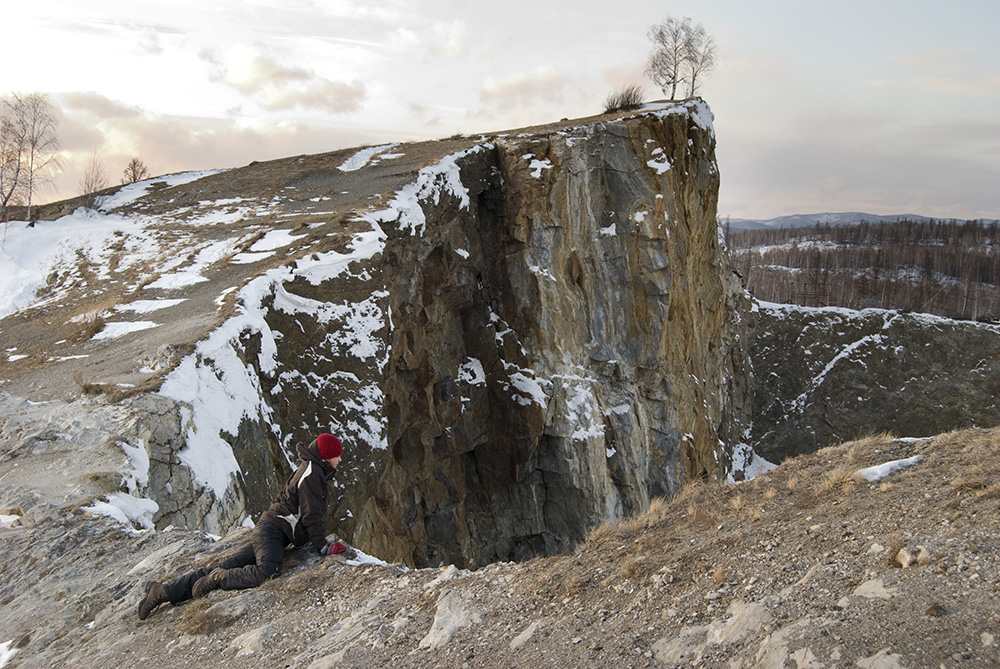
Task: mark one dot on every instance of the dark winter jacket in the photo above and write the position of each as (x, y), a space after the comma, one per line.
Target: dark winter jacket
(300, 507)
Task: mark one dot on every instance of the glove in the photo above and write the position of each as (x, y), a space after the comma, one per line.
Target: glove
(332, 548)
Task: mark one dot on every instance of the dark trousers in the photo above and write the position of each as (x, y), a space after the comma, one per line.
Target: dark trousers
(258, 561)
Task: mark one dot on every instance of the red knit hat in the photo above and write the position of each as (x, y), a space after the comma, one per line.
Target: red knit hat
(329, 446)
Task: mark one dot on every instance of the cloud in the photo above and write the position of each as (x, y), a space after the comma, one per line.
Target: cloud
(277, 87)
(524, 89)
(447, 39)
(421, 114)
(955, 71)
(168, 144)
(98, 106)
(766, 178)
(625, 75)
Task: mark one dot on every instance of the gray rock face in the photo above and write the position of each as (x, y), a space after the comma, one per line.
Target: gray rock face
(517, 337)
(822, 376)
(570, 347)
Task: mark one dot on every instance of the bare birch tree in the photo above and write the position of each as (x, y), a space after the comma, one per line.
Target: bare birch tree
(40, 154)
(94, 178)
(670, 51)
(29, 148)
(11, 145)
(701, 58)
(135, 171)
(682, 53)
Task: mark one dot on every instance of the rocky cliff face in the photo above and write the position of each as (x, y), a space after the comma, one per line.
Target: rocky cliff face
(823, 376)
(570, 346)
(518, 336)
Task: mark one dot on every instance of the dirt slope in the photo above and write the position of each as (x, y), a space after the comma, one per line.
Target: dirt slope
(799, 568)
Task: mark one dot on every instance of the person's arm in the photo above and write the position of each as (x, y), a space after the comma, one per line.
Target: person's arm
(313, 504)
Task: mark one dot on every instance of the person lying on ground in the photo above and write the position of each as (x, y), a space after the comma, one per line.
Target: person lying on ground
(296, 516)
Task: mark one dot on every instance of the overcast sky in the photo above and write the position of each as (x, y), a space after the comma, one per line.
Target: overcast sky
(858, 105)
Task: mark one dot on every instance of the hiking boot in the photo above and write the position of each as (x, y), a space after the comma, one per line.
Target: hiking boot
(156, 594)
(207, 584)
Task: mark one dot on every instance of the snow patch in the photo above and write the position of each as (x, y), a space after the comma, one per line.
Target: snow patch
(747, 461)
(147, 306)
(365, 156)
(472, 372)
(127, 510)
(6, 652)
(537, 166)
(192, 274)
(879, 472)
(132, 192)
(659, 162)
(431, 183)
(115, 330)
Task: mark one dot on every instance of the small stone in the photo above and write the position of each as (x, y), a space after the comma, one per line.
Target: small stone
(934, 609)
(923, 556)
(905, 558)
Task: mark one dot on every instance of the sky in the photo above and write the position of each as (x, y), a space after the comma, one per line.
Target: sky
(880, 106)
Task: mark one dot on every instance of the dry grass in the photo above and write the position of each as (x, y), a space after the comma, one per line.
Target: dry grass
(197, 619)
(296, 584)
(575, 583)
(116, 393)
(87, 327)
(841, 479)
(635, 568)
(604, 533)
(717, 516)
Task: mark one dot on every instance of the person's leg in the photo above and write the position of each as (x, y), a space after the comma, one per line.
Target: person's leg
(180, 589)
(268, 554)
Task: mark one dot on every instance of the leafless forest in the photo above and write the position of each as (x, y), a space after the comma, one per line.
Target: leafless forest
(948, 268)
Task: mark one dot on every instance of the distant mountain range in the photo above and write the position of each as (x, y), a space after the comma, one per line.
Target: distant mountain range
(843, 218)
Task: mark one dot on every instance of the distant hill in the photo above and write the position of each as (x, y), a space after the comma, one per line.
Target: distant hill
(947, 268)
(805, 220)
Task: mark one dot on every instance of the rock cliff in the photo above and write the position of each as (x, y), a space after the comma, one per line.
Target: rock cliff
(569, 347)
(518, 336)
(823, 376)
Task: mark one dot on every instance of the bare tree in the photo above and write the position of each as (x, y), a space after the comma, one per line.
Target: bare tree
(134, 171)
(29, 148)
(94, 178)
(40, 155)
(9, 168)
(701, 58)
(682, 53)
(11, 146)
(670, 51)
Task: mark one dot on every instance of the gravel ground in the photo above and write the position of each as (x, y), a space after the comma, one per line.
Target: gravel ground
(806, 566)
